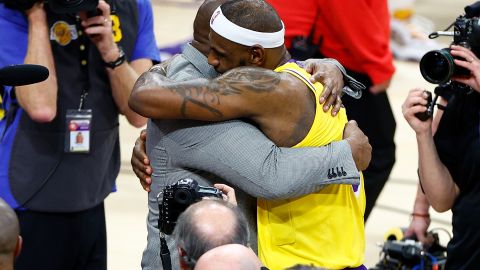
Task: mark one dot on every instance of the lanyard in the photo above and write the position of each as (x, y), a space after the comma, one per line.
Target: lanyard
(84, 44)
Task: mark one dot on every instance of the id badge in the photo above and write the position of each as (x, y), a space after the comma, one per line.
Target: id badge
(77, 135)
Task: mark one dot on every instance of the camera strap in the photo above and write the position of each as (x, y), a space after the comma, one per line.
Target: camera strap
(165, 253)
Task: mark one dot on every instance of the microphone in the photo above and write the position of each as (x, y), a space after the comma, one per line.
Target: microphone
(16, 75)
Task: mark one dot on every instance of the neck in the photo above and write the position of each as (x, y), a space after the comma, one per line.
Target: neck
(283, 57)
(6, 263)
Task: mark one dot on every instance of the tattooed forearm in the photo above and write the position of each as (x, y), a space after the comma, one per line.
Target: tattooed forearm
(150, 79)
(202, 98)
(235, 84)
(229, 96)
(249, 79)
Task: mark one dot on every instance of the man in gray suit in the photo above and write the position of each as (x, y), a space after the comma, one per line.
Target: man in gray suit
(232, 152)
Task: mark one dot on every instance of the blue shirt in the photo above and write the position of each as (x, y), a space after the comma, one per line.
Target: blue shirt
(13, 48)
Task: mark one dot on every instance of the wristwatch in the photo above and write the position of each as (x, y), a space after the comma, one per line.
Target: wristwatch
(118, 62)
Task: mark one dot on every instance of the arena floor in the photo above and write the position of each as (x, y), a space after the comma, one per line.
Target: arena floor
(127, 208)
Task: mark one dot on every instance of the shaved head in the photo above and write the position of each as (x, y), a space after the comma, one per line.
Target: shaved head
(232, 257)
(201, 25)
(9, 229)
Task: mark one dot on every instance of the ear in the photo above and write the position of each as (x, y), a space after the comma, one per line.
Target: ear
(186, 263)
(257, 55)
(18, 247)
(181, 258)
(181, 252)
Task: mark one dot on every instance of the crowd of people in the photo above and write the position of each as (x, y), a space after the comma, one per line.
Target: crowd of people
(280, 105)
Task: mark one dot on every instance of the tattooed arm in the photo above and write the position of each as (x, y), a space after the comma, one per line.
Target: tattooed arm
(241, 92)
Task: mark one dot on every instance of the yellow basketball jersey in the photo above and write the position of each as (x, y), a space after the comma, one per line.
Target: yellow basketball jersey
(325, 228)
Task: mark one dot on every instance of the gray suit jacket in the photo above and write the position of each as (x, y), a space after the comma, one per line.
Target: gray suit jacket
(231, 152)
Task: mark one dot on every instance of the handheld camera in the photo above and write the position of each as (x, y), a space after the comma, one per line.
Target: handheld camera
(438, 66)
(400, 253)
(57, 6)
(177, 197)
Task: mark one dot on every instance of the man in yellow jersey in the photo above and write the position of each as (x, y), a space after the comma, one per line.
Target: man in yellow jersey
(325, 228)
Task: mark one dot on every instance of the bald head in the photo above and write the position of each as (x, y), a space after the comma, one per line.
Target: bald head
(214, 220)
(201, 25)
(9, 229)
(232, 257)
(208, 224)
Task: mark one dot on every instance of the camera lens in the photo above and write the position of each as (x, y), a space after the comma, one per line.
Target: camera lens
(437, 66)
(183, 196)
(72, 6)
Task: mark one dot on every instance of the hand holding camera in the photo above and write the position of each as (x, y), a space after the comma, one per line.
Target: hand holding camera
(441, 66)
(424, 116)
(97, 25)
(416, 111)
(228, 193)
(95, 15)
(57, 6)
(177, 197)
(469, 61)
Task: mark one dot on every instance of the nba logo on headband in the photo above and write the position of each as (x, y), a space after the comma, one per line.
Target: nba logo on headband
(214, 15)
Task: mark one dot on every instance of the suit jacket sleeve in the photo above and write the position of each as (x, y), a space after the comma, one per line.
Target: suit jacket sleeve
(248, 160)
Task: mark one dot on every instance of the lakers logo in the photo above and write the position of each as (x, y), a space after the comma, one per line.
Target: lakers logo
(63, 33)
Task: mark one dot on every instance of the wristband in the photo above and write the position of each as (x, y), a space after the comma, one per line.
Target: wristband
(427, 215)
(118, 62)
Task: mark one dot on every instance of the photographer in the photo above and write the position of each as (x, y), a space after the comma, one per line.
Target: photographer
(205, 225)
(94, 52)
(449, 154)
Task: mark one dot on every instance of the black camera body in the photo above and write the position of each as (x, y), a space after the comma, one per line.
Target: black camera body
(423, 116)
(408, 254)
(438, 66)
(57, 6)
(177, 197)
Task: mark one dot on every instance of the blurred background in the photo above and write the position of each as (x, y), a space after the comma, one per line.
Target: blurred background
(126, 209)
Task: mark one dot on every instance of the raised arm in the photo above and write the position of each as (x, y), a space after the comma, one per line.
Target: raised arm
(241, 92)
(440, 189)
(39, 100)
(122, 77)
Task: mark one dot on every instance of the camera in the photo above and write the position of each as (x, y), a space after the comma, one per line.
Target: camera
(438, 66)
(57, 6)
(177, 197)
(423, 116)
(408, 253)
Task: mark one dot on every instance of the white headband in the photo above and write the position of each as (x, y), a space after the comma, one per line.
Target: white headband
(227, 29)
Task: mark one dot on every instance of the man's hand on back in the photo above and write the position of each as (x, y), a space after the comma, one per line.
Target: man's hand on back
(361, 148)
(331, 77)
(141, 163)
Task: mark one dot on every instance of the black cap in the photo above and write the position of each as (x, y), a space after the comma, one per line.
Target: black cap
(72, 6)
